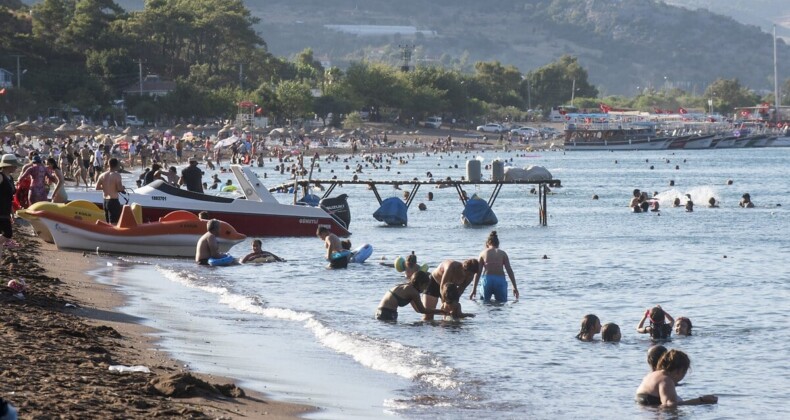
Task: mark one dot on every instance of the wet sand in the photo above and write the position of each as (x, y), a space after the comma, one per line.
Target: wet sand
(61, 339)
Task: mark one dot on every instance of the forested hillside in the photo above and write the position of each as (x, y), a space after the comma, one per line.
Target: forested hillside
(623, 44)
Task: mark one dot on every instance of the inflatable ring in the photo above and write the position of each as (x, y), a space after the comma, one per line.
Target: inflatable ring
(225, 259)
(400, 264)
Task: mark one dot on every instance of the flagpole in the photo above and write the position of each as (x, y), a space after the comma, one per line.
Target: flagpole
(776, 83)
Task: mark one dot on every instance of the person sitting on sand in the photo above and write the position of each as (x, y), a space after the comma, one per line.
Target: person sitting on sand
(404, 294)
(334, 249)
(660, 323)
(495, 263)
(654, 354)
(658, 387)
(746, 201)
(682, 326)
(610, 332)
(449, 271)
(591, 325)
(258, 253)
(207, 245)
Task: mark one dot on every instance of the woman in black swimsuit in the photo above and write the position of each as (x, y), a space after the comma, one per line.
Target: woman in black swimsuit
(404, 294)
(658, 387)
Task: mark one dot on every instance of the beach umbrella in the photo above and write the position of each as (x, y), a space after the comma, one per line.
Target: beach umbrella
(226, 142)
(27, 127)
(67, 129)
(125, 138)
(191, 126)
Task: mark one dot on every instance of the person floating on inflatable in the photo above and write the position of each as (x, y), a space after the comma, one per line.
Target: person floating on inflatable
(229, 187)
(335, 254)
(259, 256)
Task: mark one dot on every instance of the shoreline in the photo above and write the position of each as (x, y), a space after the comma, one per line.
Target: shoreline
(63, 337)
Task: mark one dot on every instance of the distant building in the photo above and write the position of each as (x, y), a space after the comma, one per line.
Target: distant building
(379, 30)
(6, 79)
(152, 85)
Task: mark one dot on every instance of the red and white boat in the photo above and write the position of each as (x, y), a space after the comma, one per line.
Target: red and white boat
(175, 235)
(257, 213)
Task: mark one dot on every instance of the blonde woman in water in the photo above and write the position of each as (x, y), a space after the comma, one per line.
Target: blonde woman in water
(493, 264)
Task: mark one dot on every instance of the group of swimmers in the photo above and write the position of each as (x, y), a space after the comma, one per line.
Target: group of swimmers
(660, 326)
(640, 203)
(668, 367)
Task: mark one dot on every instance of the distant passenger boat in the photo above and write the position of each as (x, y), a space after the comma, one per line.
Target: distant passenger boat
(613, 136)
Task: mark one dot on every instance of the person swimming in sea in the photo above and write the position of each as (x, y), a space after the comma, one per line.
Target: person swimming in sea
(654, 355)
(658, 387)
(660, 327)
(746, 201)
(591, 325)
(610, 332)
(258, 253)
(682, 326)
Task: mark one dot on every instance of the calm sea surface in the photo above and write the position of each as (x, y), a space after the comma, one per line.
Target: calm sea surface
(306, 334)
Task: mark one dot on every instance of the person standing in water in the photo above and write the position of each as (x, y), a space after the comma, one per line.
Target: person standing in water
(334, 249)
(494, 262)
(111, 185)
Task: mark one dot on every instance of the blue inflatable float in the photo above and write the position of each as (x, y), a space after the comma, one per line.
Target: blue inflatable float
(225, 259)
(362, 253)
(478, 213)
(393, 211)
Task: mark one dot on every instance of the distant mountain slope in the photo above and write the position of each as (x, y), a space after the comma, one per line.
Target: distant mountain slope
(763, 13)
(624, 44)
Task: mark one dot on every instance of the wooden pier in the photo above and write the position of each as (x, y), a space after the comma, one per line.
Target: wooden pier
(542, 189)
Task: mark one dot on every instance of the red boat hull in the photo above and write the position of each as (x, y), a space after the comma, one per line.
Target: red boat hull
(264, 224)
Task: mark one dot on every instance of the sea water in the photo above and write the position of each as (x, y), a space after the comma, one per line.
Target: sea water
(306, 334)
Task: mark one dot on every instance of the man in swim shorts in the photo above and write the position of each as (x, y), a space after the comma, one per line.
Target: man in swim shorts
(111, 185)
(207, 245)
(335, 254)
(257, 253)
(449, 271)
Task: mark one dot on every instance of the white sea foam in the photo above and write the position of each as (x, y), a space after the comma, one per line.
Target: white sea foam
(382, 355)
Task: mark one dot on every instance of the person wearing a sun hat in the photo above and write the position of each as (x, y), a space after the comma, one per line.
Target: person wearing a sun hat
(8, 164)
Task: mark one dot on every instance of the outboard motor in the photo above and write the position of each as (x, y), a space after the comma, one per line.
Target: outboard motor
(338, 208)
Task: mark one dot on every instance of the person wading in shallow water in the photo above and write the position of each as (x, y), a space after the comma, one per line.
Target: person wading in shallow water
(111, 185)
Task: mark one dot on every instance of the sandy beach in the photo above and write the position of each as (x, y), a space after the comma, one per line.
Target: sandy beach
(62, 338)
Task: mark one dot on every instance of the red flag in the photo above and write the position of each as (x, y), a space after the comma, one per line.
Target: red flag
(605, 108)
(258, 111)
(2, 91)
(682, 111)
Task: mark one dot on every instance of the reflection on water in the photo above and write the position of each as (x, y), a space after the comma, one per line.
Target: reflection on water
(520, 359)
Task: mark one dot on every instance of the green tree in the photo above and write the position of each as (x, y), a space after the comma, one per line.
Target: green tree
(728, 94)
(375, 85)
(554, 84)
(501, 83)
(294, 98)
(51, 18)
(89, 25)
